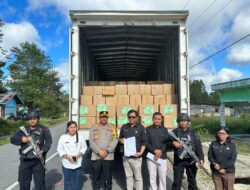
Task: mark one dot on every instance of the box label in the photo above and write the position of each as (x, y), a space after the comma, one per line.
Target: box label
(149, 110)
(125, 110)
(83, 120)
(122, 120)
(146, 119)
(168, 109)
(101, 107)
(83, 110)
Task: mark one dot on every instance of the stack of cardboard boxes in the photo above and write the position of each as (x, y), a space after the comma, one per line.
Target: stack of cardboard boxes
(119, 97)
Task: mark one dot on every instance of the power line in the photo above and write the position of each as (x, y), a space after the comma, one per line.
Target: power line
(186, 4)
(210, 18)
(202, 13)
(219, 51)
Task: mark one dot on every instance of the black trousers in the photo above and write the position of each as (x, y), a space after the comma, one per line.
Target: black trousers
(30, 167)
(191, 171)
(102, 167)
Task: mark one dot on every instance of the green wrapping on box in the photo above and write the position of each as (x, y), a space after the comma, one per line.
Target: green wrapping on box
(146, 119)
(122, 120)
(126, 109)
(101, 107)
(83, 110)
(83, 120)
(112, 121)
(149, 110)
(174, 121)
(168, 109)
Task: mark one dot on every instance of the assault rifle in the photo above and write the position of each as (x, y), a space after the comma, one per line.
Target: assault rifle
(187, 150)
(33, 147)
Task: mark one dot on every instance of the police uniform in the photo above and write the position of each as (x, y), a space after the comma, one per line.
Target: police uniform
(29, 164)
(193, 141)
(102, 137)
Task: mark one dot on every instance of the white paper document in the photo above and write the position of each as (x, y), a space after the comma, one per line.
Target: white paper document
(129, 147)
(151, 157)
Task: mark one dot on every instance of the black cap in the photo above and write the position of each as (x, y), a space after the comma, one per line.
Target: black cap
(104, 114)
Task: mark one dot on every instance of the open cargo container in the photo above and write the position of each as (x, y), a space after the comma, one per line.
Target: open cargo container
(128, 46)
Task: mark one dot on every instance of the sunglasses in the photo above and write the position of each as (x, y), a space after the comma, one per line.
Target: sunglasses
(131, 117)
(222, 133)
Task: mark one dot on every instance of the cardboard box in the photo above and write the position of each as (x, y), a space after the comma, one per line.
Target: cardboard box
(145, 89)
(121, 120)
(88, 110)
(171, 99)
(91, 83)
(86, 100)
(135, 82)
(133, 89)
(168, 109)
(87, 122)
(108, 91)
(88, 90)
(111, 83)
(98, 99)
(135, 99)
(147, 99)
(104, 107)
(146, 120)
(145, 110)
(157, 89)
(169, 89)
(155, 82)
(102, 83)
(98, 90)
(160, 99)
(121, 89)
(170, 121)
(121, 83)
(122, 110)
(122, 99)
(111, 100)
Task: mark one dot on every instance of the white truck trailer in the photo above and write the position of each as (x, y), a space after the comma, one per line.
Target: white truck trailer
(128, 46)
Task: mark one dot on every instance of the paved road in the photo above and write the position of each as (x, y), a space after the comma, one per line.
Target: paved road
(9, 161)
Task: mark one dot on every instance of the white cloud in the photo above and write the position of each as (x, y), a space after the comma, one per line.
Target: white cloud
(63, 71)
(15, 33)
(209, 76)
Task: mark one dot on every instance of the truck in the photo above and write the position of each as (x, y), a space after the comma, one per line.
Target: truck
(128, 46)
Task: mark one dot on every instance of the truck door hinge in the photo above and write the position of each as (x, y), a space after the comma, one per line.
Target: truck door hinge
(72, 77)
(185, 54)
(72, 54)
(185, 77)
(72, 30)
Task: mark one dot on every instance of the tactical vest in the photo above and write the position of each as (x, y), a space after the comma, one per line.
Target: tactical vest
(26, 151)
(188, 138)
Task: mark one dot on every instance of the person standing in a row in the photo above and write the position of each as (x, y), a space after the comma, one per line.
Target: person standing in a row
(157, 139)
(30, 164)
(222, 157)
(103, 140)
(181, 162)
(132, 165)
(70, 148)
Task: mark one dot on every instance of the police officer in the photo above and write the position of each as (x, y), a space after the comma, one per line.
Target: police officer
(102, 140)
(188, 136)
(222, 157)
(29, 163)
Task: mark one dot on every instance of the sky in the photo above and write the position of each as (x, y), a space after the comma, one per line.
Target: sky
(212, 25)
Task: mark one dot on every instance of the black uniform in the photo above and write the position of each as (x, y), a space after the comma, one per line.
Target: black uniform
(157, 138)
(28, 164)
(192, 140)
(223, 154)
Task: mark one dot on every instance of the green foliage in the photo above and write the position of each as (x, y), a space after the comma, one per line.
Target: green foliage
(35, 81)
(239, 125)
(9, 127)
(2, 60)
(198, 94)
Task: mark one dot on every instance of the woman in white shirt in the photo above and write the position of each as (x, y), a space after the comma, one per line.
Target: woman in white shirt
(70, 148)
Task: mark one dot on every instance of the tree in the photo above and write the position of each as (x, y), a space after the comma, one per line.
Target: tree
(198, 93)
(35, 81)
(2, 60)
(214, 98)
